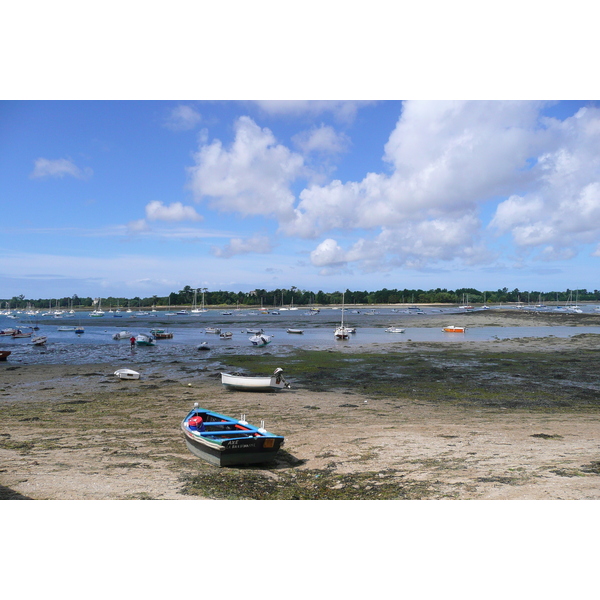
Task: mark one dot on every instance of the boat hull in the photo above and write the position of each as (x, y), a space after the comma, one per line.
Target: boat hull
(223, 441)
(253, 384)
(246, 453)
(4, 354)
(127, 374)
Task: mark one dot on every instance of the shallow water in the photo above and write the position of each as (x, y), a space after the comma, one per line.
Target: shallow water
(97, 345)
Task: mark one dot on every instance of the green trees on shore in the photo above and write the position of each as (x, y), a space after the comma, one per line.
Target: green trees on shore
(298, 297)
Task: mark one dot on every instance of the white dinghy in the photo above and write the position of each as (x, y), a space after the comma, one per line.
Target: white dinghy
(127, 374)
(255, 384)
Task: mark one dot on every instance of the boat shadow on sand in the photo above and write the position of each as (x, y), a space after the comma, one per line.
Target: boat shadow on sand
(8, 494)
(282, 460)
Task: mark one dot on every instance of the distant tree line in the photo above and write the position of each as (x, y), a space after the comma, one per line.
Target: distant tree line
(298, 297)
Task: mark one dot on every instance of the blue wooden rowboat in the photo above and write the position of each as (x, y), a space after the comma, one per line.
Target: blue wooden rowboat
(223, 441)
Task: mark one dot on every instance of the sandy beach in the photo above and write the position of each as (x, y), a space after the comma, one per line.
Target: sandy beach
(506, 419)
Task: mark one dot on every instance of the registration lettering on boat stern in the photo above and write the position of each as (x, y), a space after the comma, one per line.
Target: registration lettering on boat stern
(236, 444)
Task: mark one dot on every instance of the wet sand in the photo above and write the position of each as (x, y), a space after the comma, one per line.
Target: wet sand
(76, 432)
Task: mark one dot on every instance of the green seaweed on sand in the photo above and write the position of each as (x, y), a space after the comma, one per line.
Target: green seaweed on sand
(517, 379)
(311, 484)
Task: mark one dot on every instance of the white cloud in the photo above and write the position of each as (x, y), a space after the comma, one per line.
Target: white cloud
(562, 212)
(342, 110)
(252, 177)
(59, 168)
(138, 226)
(448, 160)
(256, 245)
(328, 253)
(176, 211)
(183, 118)
(323, 139)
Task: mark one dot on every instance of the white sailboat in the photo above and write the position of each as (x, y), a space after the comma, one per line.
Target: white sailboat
(195, 309)
(341, 332)
(98, 312)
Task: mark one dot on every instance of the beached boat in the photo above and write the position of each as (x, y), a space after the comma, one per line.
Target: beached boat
(161, 334)
(454, 329)
(4, 354)
(144, 340)
(260, 339)
(203, 346)
(395, 330)
(122, 335)
(39, 340)
(127, 374)
(269, 383)
(223, 441)
(18, 333)
(342, 332)
(295, 330)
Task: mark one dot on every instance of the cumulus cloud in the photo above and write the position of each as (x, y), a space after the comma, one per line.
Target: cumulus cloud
(44, 167)
(183, 118)
(562, 212)
(256, 245)
(323, 139)
(251, 177)
(328, 253)
(447, 169)
(176, 211)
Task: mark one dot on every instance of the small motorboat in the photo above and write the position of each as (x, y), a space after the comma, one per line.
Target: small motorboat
(454, 329)
(66, 328)
(127, 374)
(255, 331)
(39, 340)
(269, 383)
(260, 339)
(4, 354)
(212, 330)
(223, 441)
(227, 335)
(161, 334)
(18, 333)
(122, 335)
(294, 330)
(144, 340)
(203, 346)
(395, 330)
(9, 331)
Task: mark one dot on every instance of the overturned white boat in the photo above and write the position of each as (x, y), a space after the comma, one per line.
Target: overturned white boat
(255, 384)
(260, 339)
(127, 374)
(122, 335)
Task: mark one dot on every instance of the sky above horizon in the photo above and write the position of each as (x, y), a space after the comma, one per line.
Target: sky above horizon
(133, 198)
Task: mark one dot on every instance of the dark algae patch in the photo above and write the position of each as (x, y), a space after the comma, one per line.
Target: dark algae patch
(311, 484)
(519, 379)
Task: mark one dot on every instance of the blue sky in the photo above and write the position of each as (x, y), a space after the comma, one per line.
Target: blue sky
(110, 198)
(150, 163)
